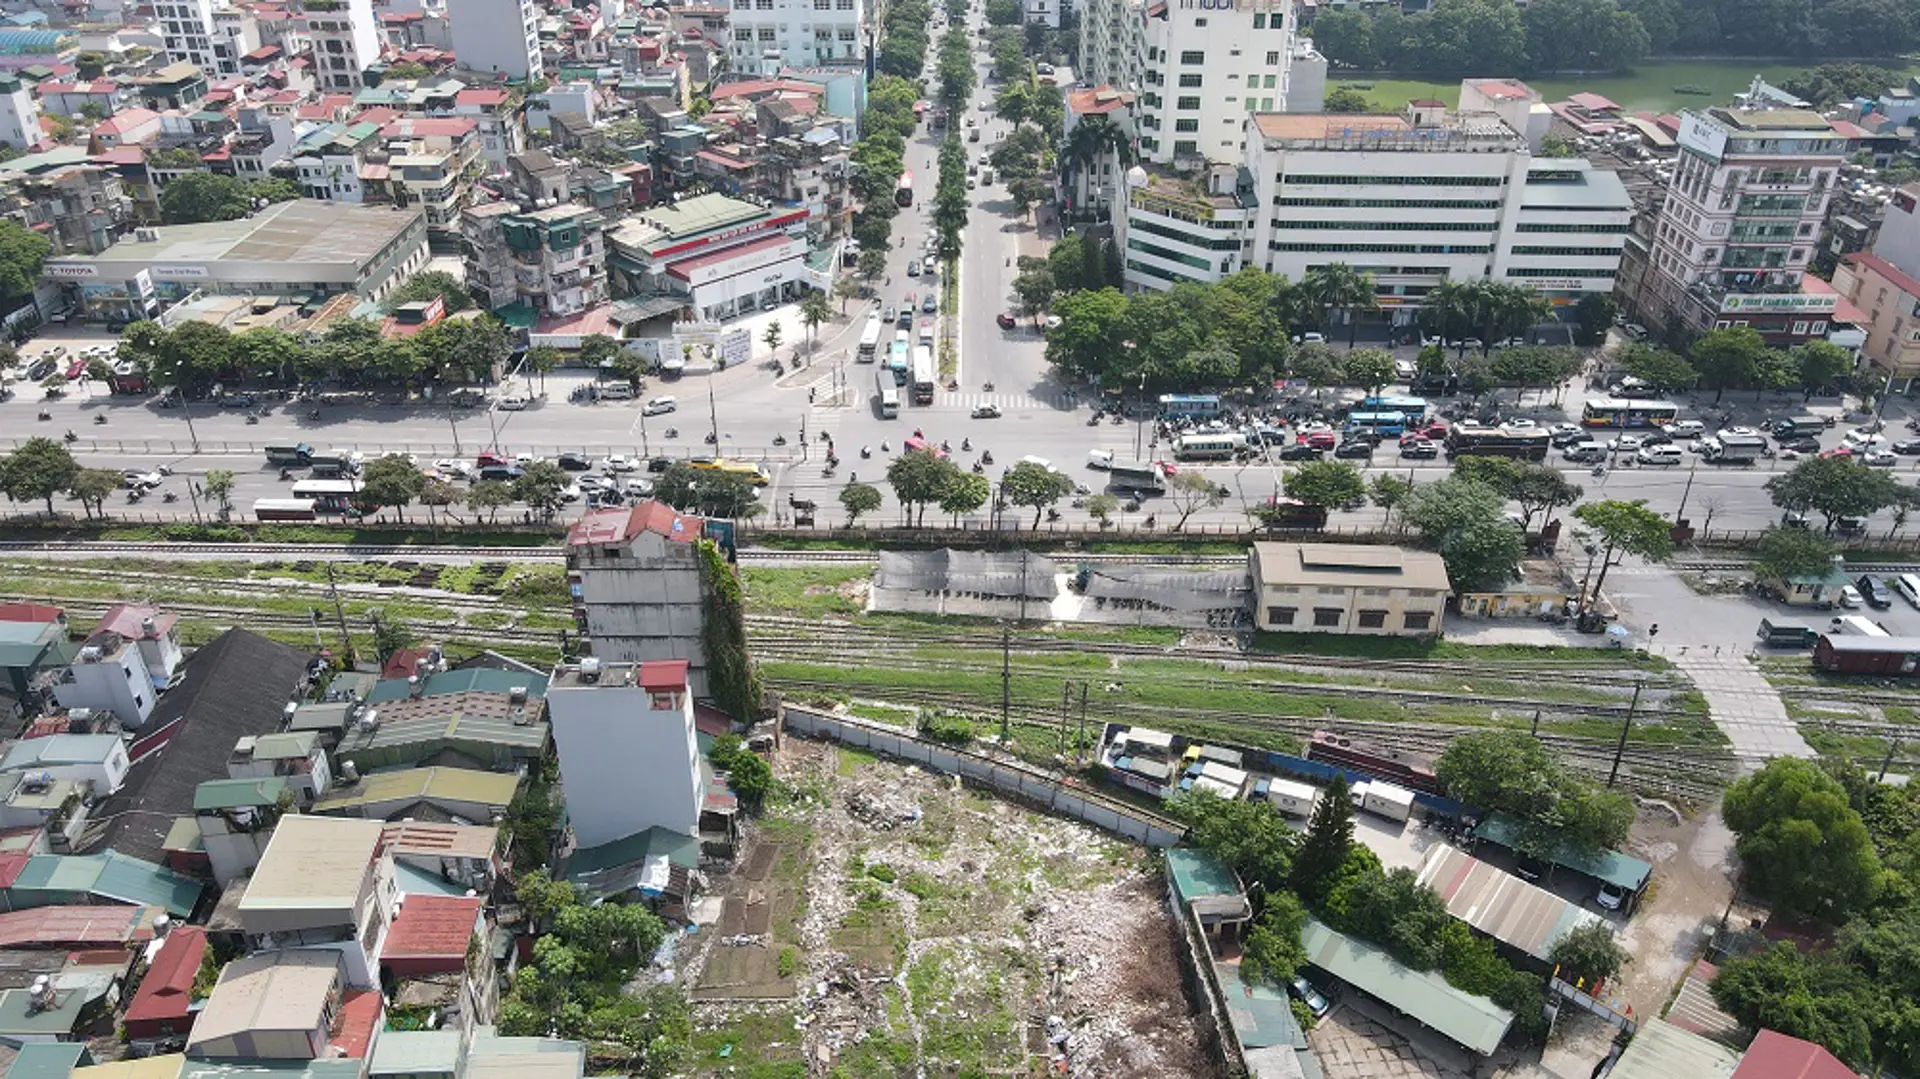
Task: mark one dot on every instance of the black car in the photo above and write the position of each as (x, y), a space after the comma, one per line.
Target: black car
(573, 462)
(1655, 438)
(1425, 449)
(1354, 448)
(1803, 444)
(659, 464)
(1875, 592)
(1560, 440)
(1299, 451)
(237, 400)
(1907, 447)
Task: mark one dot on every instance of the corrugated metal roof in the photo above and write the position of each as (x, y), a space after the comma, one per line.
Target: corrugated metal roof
(313, 863)
(485, 724)
(1774, 1055)
(468, 680)
(1472, 1021)
(49, 879)
(1664, 1051)
(423, 784)
(238, 793)
(1498, 903)
(160, 1067)
(1608, 865)
(415, 1052)
(47, 1060)
(1197, 874)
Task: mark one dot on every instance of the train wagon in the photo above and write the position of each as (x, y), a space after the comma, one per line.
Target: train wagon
(1405, 769)
(1897, 657)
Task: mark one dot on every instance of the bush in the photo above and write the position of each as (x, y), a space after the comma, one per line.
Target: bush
(945, 728)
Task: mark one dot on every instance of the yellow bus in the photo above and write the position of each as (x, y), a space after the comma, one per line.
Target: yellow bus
(753, 473)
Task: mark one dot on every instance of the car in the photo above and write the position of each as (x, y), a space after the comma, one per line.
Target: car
(1680, 428)
(619, 462)
(891, 313)
(659, 464)
(905, 321)
(1656, 438)
(926, 330)
(969, 121)
(660, 406)
(141, 481)
(573, 462)
(930, 305)
(974, 135)
(984, 160)
(1864, 440)
(77, 367)
(1005, 320)
(591, 484)
(1322, 439)
(1875, 592)
(453, 466)
(1659, 455)
(1301, 451)
(1354, 448)
(1907, 447)
(41, 369)
(1566, 429)
(913, 267)
(1850, 597)
(1803, 444)
(1304, 991)
(1880, 458)
(1420, 450)
(1635, 331)
(571, 493)
(1528, 868)
(986, 412)
(1838, 451)
(1627, 442)
(1311, 339)
(1584, 452)
(1522, 424)
(971, 184)
(237, 400)
(1563, 439)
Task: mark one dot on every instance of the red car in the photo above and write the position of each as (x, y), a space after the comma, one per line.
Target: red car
(1412, 437)
(488, 458)
(77, 368)
(1319, 440)
(1005, 320)
(1838, 451)
(1435, 430)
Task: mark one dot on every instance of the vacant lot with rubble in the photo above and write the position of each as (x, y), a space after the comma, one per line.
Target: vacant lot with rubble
(889, 922)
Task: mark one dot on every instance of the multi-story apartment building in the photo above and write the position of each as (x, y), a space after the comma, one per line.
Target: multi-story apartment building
(236, 32)
(80, 208)
(346, 39)
(1741, 224)
(187, 33)
(497, 36)
(637, 596)
(627, 743)
(19, 113)
(503, 132)
(1413, 200)
(429, 164)
(772, 34)
(1198, 70)
(552, 259)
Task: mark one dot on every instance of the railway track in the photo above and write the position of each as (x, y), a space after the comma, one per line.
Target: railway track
(89, 610)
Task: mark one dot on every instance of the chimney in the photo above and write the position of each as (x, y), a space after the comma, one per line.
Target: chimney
(148, 629)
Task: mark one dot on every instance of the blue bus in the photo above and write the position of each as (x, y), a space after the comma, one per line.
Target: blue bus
(1384, 424)
(1413, 408)
(1198, 405)
(897, 355)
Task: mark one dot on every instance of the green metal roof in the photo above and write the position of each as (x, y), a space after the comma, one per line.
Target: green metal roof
(425, 785)
(185, 836)
(1663, 1051)
(286, 745)
(52, 879)
(1609, 866)
(1472, 1021)
(411, 1052)
(271, 1069)
(238, 793)
(48, 1060)
(472, 680)
(1197, 874)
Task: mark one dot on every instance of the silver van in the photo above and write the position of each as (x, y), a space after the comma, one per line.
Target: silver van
(1908, 585)
(616, 391)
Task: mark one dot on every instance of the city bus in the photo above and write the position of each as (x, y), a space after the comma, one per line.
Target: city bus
(1174, 406)
(889, 394)
(1136, 477)
(1413, 408)
(1384, 424)
(921, 445)
(903, 191)
(328, 496)
(922, 375)
(1628, 412)
(747, 470)
(1218, 447)
(869, 341)
(283, 509)
(1476, 440)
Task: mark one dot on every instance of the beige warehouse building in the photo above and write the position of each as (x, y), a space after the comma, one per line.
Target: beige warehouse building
(1348, 588)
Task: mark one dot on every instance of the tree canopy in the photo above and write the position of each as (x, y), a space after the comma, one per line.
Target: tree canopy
(1835, 487)
(1802, 844)
(1558, 812)
(210, 196)
(21, 253)
(1465, 521)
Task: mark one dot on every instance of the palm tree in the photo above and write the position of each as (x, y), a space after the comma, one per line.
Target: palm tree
(1090, 139)
(814, 310)
(1338, 286)
(1446, 309)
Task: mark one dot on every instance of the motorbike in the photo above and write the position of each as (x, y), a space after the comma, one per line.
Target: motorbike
(313, 413)
(169, 497)
(827, 470)
(1599, 470)
(946, 446)
(966, 445)
(165, 470)
(286, 475)
(853, 477)
(866, 452)
(673, 432)
(779, 368)
(986, 457)
(251, 418)
(1053, 514)
(779, 440)
(1133, 505)
(988, 387)
(709, 438)
(133, 495)
(1118, 419)
(99, 418)
(978, 468)
(1149, 521)
(1093, 420)
(885, 446)
(71, 437)
(46, 415)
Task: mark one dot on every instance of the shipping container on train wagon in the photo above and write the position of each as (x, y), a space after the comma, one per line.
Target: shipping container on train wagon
(1898, 657)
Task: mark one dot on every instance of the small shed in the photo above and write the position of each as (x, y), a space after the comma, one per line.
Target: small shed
(1207, 885)
(1628, 874)
(1821, 589)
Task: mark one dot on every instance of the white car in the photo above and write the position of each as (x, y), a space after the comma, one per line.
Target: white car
(522, 460)
(141, 481)
(1860, 440)
(594, 483)
(1565, 429)
(451, 466)
(660, 406)
(1849, 597)
(1626, 442)
(1522, 424)
(1635, 331)
(571, 493)
(1679, 428)
(620, 462)
(1880, 459)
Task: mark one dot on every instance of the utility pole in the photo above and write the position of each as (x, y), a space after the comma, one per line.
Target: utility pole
(340, 613)
(1006, 684)
(1691, 472)
(1080, 748)
(1535, 732)
(1893, 746)
(1621, 749)
(713, 417)
(1066, 714)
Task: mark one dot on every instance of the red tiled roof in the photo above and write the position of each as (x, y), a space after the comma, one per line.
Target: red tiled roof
(120, 155)
(619, 526)
(1501, 88)
(168, 987)
(434, 927)
(49, 927)
(126, 619)
(663, 674)
(1774, 1055)
(424, 127)
(358, 1019)
(264, 52)
(10, 867)
(1848, 129)
(378, 114)
(403, 661)
(1098, 100)
(38, 613)
(125, 119)
(480, 97)
(1593, 103)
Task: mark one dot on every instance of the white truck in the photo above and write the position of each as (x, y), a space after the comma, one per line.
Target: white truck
(1387, 800)
(1293, 798)
(1730, 448)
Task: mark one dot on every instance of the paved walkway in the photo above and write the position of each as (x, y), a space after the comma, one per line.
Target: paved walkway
(1743, 705)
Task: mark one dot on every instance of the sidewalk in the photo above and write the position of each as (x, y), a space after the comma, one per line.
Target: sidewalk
(1743, 705)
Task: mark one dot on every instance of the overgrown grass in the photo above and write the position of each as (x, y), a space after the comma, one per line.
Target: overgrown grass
(810, 591)
(1329, 644)
(749, 1045)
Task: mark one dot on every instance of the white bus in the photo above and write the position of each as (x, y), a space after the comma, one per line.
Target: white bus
(889, 389)
(870, 341)
(1218, 447)
(922, 375)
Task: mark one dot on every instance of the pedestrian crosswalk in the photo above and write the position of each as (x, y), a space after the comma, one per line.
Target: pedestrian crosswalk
(1005, 402)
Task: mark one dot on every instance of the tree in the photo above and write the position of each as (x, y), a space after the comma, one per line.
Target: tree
(814, 309)
(1388, 491)
(1803, 846)
(919, 478)
(1792, 552)
(1499, 771)
(1347, 37)
(217, 485)
(390, 635)
(846, 288)
(1030, 483)
(437, 495)
(1189, 492)
(40, 468)
(203, 196)
(1728, 358)
(858, 499)
(1026, 193)
(1089, 337)
(1329, 837)
(1540, 489)
(1339, 287)
(1102, 507)
(1835, 487)
(391, 481)
(1251, 837)
(707, 493)
(1623, 528)
(1577, 35)
(90, 64)
(1344, 99)
(772, 338)
(1328, 484)
(1466, 522)
(489, 495)
(1665, 371)
(1592, 315)
(1818, 364)
(1273, 950)
(93, 486)
(1034, 288)
(1588, 953)
(1369, 368)
(21, 254)
(871, 264)
(431, 285)
(1831, 84)
(1802, 996)
(965, 493)
(542, 485)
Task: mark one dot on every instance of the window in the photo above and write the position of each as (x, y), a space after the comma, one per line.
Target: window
(1419, 619)
(1819, 329)
(1199, 22)
(1800, 328)
(1186, 104)
(766, 33)
(1185, 146)
(1259, 22)
(1193, 57)
(1266, 104)
(1189, 82)
(1281, 616)
(1373, 620)
(1186, 126)
(1267, 84)
(1273, 58)
(1326, 616)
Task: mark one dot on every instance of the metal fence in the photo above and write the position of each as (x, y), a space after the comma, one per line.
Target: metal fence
(1028, 784)
(181, 447)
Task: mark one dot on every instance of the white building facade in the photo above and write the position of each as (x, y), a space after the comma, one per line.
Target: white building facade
(767, 35)
(497, 36)
(345, 40)
(188, 33)
(628, 749)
